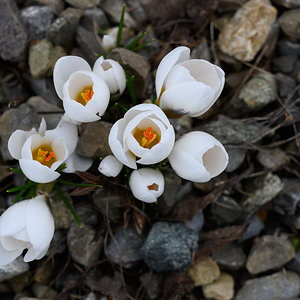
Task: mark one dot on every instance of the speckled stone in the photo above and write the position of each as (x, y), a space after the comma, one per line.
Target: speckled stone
(243, 36)
(289, 22)
(13, 269)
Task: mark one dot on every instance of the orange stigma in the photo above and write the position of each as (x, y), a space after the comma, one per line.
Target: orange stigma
(85, 95)
(45, 155)
(146, 138)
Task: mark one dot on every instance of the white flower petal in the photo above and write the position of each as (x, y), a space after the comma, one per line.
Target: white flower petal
(16, 142)
(146, 184)
(39, 223)
(77, 163)
(174, 57)
(110, 166)
(36, 172)
(32, 254)
(7, 257)
(188, 98)
(11, 243)
(63, 69)
(13, 220)
(108, 42)
(43, 127)
(178, 75)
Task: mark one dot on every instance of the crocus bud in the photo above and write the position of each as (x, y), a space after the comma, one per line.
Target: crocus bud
(110, 166)
(187, 86)
(112, 73)
(147, 184)
(108, 42)
(28, 225)
(198, 156)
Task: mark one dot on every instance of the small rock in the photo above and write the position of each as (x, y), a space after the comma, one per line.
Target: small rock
(289, 198)
(284, 64)
(13, 38)
(169, 247)
(113, 8)
(58, 243)
(89, 44)
(133, 64)
(201, 51)
(152, 283)
(268, 253)
(293, 221)
(197, 222)
(94, 18)
(87, 213)
(231, 131)
(84, 244)
(273, 160)
(83, 3)
(44, 272)
(19, 282)
(279, 286)
(137, 11)
(15, 268)
(124, 248)
(221, 289)
(90, 296)
(262, 190)
(23, 117)
(254, 228)
(287, 47)
(57, 6)
(236, 158)
(257, 93)
(42, 58)
(93, 141)
(294, 264)
(288, 3)
(289, 22)
(243, 36)
(207, 187)
(62, 29)
(285, 85)
(110, 204)
(204, 271)
(43, 292)
(37, 20)
(230, 257)
(62, 215)
(172, 186)
(226, 210)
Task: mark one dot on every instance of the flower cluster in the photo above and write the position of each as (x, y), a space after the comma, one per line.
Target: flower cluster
(143, 137)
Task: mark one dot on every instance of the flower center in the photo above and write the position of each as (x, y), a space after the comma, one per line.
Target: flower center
(45, 155)
(85, 95)
(153, 187)
(146, 138)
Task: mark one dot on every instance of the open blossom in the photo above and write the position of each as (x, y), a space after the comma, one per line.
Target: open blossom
(28, 225)
(110, 166)
(198, 156)
(187, 86)
(112, 73)
(143, 136)
(147, 184)
(85, 95)
(41, 153)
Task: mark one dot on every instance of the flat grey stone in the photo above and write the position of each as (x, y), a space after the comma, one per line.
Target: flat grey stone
(15, 268)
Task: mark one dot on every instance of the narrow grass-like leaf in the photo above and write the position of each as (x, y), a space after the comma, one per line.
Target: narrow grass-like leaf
(61, 167)
(31, 192)
(142, 45)
(78, 184)
(121, 24)
(68, 204)
(19, 171)
(131, 89)
(123, 107)
(20, 194)
(131, 45)
(19, 188)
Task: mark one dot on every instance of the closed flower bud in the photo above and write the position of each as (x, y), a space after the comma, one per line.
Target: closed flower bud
(28, 225)
(198, 156)
(110, 166)
(147, 184)
(187, 86)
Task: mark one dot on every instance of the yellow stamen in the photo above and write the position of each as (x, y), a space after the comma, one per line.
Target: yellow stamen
(146, 138)
(45, 155)
(85, 95)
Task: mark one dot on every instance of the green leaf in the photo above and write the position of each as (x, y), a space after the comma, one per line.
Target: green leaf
(20, 188)
(31, 193)
(121, 24)
(131, 88)
(131, 45)
(20, 194)
(68, 204)
(19, 171)
(78, 184)
(61, 167)
(296, 244)
(142, 45)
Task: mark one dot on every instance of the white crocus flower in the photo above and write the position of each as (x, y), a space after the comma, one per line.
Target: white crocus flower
(187, 86)
(41, 153)
(28, 225)
(112, 73)
(143, 136)
(147, 184)
(108, 42)
(85, 95)
(110, 166)
(198, 156)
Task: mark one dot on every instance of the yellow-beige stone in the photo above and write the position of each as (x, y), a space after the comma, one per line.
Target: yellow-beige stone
(204, 271)
(245, 33)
